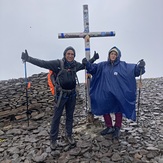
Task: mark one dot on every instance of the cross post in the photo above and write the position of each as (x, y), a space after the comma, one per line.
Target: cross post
(86, 36)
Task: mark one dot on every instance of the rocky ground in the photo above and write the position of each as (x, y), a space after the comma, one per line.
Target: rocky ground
(140, 142)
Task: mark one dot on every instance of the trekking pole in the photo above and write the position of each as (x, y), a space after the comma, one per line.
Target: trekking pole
(86, 100)
(26, 88)
(140, 85)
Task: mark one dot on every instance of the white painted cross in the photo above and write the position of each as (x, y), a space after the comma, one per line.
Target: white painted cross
(86, 35)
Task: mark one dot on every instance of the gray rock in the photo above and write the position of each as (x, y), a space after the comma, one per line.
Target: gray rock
(40, 158)
(140, 142)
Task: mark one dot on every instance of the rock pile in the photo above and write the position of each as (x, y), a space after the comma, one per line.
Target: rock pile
(23, 141)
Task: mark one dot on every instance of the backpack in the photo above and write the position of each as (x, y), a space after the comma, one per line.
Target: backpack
(51, 82)
(53, 78)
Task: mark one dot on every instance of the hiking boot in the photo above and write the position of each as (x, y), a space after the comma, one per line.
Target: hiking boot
(108, 130)
(116, 133)
(70, 140)
(53, 145)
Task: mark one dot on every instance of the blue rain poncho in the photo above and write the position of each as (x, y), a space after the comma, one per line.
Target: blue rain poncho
(113, 87)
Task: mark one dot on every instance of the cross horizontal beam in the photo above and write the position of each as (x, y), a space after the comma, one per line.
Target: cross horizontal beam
(83, 35)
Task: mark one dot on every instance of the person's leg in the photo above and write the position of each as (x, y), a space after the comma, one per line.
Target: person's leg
(56, 120)
(117, 126)
(118, 120)
(70, 107)
(108, 121)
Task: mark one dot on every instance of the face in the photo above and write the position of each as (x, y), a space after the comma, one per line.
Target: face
(69, 56)
(113, 56)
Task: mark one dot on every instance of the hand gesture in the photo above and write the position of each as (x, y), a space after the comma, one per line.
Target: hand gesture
(141, 63)
(84, 61)
(25, 56)
(96, 55)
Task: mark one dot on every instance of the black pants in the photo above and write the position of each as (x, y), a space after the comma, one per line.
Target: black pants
(68, 101)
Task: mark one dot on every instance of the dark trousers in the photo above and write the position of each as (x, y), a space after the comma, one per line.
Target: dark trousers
(68, 102)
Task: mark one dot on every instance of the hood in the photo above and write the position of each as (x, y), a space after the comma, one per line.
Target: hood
(114, 48)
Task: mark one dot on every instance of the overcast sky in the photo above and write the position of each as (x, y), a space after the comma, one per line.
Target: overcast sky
(34, 25)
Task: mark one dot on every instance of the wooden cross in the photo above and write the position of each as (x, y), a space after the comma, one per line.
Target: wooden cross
(86, 36)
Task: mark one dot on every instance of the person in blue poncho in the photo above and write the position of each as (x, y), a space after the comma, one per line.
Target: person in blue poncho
(113, 89)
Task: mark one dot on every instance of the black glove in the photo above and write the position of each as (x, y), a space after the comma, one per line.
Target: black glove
(141, 63)
(96, 55)
(84, 61)
(25, 56)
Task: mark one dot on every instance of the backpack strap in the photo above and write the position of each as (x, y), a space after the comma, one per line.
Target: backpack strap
(61, 64)
(57, 80)
(76, 77)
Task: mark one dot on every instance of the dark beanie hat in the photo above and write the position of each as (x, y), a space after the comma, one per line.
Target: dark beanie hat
(69, 48)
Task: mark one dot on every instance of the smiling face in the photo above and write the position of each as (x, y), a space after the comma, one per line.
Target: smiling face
(112, 56)
(69, 55)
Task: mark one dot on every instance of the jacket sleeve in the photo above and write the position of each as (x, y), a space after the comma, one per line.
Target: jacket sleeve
(51, 65)
(91, 68)
(80, 66)
(139, 71)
